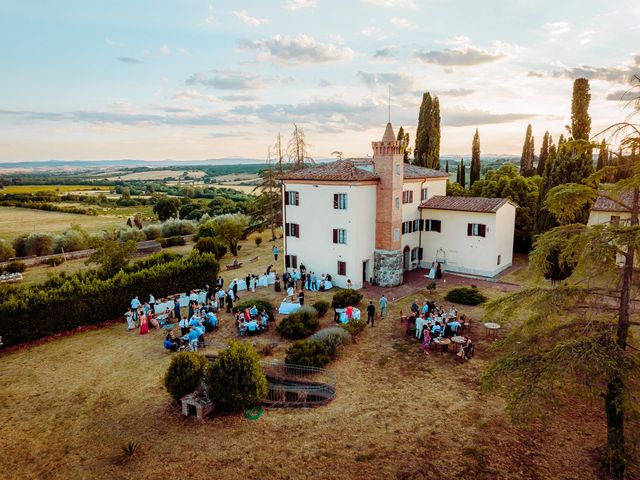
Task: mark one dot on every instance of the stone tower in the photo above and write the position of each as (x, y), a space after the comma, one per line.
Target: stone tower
(388, 162)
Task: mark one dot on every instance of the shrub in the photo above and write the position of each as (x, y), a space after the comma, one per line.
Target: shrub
(54, 261)
(184, 374)
(354, 327)
(15, 267)
(258, 241)
(6, 251)
(86, 298)
(310, 353)
(299, 324)
(322, 306)
(331, 338)
(431, 286)
(235, 381)
(210, 245)
(39, 244)
(466, 296)
(345, 298)
(171, 242)
(151, 232)
(129, 233)
(260, 305)
(173, 227)
(153, 260)
(20, 245)
(71, 240)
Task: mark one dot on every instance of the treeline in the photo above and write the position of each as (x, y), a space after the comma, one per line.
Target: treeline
(86, 298)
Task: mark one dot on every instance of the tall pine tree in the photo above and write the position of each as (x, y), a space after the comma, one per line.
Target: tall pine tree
(544, 154)
(526, 160)
(427, 146)
(475, 159)
(463, 179)
(446, 167)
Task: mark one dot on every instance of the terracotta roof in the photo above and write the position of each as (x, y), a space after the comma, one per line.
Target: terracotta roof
(604, 204)
(414, 171)
(388, 136)
(340, 170)
(465, 204)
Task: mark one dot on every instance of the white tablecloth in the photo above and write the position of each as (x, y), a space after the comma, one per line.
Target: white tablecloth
(343, 316)
(162, 307)
(263, 281)
(242, 285)
(271, 278)
(288, 307)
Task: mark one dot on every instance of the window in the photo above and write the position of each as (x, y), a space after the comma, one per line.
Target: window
(408, 227)
(342, 268)
(397, 169)
(397, 203)
(476, 230)
(396, 234)
(615, 220)
(416, 225)
(499, 258)
(291, 198)
(290, 261)
(407, 196)
(339, 235)
(424, 194)
(340, 201)
(292, 230)
(414, 254)
(432, 226)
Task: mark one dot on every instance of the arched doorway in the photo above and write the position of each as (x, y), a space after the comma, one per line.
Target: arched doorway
(406, 258)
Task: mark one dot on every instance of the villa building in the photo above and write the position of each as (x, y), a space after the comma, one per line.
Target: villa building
(371, 219)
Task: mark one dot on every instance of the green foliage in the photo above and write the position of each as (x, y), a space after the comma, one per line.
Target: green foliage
(151, 232)
(331, 338)
(544, 153)
(55, 261)
(299, 324)
(166, 207)
(235, 380)
(87, 298)
(130, 449)
(6, 251)
(427, 148)
(528, 154)
(258, 240)
(354, 327)
(455, 189)
(567, 202)
(310, 353)
(185, 373)
(206, 245)
(72, 240)
(227, 228)
(20, 245)
(174, 228)
(346, 298)
(171, 242)
(580, 119)
(260, 305)
(39, 244)
(321, 306)
(129, 233)
(431, 287)
(112, 256)
(465, 296)
(474, 175)
(16, 266)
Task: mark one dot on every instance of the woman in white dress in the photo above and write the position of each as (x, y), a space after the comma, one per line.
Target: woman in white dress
(432, 272)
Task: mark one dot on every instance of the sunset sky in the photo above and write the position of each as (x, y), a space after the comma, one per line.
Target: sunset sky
(196, 79)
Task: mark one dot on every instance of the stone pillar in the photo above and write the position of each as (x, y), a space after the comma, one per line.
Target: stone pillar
(388, 267)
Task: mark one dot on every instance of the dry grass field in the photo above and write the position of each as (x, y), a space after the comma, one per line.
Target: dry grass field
(158, 175)
(16, 221)
(70, 404)
(51, 188)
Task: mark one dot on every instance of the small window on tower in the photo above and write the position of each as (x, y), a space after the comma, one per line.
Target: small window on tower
(397, 169)
(397, 203)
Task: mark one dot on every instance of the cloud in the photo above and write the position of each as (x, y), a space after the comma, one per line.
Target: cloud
(623, 95)
(393, 3)
(113, 43)
(456, 92)
(190, 94)
(373, 32)
(226, 80)
(385, 53)
(459, 56)
(248, 20)
(400, 81)
(298, 4)
(130, 60)
(184, 52)
(298, 50)
(165, 50)
(459, 117)
(620, 74)
(535, 74)
(239, 98)
(402, 23)
(324, 83)
(555, 29)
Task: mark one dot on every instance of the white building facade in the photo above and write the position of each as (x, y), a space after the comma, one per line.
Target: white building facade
(369, 220)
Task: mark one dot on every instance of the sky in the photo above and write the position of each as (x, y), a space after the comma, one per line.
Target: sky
(194, 79)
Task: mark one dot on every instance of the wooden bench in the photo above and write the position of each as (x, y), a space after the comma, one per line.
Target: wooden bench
(234, 266)
(254, 259)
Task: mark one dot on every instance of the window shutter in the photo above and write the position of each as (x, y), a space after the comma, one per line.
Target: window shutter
(294, 261)
(335, 235)
(421, 224)
(297, 197)
(420, 251)
(416, 225)
(437, 225)
(286, 198)
(335, 200)
(411, 196)
(469, 229)
(297, 228)
(483, 230)
(287, 261)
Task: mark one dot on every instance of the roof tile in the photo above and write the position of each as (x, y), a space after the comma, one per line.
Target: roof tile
(340, 170)
(465, 204)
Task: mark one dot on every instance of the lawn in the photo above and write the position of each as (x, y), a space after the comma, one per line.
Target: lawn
(69, 405)
(50, 188)
(16, 221)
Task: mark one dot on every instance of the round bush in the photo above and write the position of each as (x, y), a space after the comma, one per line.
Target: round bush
(258, 241)
(345, 298)
(15, 267)
(322, 306)
(310, 353)
(71, 240)
(171, 242)
(331, 338)
(129, 233)
(211, 245)
(235, 381)
(151, 232)
(173, 227)
(184, 374)
(39, 244)
(299, 324)
(6, 251)
(55, 261)
(465, 296)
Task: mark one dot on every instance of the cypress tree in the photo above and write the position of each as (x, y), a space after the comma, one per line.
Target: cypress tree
(404, 137)
(433, 153)
(580, 119)
(603, 156)
(544, 154)
(463, 179)
(423, 131)
(475, 159)
(458, 173)
(446, 167)
(526, 160)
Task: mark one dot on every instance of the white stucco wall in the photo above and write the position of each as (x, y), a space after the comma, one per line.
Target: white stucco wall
(599, 217)
(470, 254)
(317, 219)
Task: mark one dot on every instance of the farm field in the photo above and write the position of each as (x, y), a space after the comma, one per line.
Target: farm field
(53, 188)
(16, 221)
(158, 175)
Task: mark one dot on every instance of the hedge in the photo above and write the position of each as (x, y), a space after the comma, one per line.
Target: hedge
(466, 296)
(65, 303)
(171, 241)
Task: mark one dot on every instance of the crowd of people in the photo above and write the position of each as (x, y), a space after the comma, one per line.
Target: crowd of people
(251, 321)
(428, 322)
